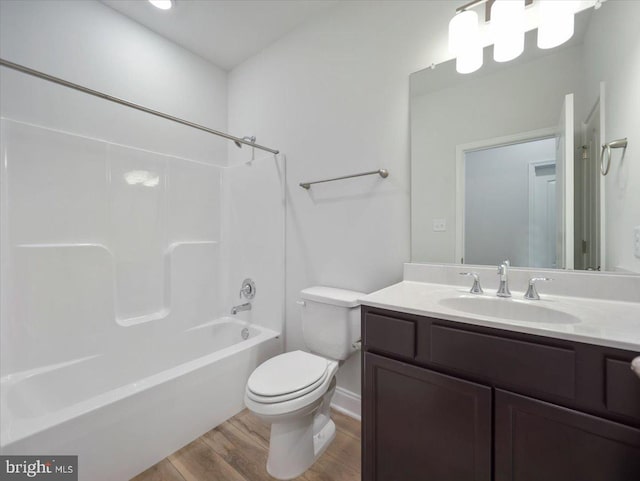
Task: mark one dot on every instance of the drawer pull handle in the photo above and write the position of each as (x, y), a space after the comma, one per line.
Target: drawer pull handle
(635, 365)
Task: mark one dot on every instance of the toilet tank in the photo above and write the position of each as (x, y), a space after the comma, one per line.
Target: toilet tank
(330, 321)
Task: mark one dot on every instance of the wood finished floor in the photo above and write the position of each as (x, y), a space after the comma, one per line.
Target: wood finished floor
(237, 451)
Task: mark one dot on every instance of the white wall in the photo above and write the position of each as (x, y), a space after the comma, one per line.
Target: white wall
(618, 56)
(334, 95)
(90, 44)
(537, 87)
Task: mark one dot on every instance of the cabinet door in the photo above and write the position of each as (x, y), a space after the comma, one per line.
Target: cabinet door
(419, 425)
(537, 441)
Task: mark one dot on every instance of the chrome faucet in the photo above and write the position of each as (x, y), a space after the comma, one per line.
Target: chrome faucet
(532, 292)
(476, 288)
(242, 307)
(503, 272)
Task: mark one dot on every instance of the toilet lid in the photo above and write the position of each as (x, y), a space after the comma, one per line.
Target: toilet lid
(287, 373)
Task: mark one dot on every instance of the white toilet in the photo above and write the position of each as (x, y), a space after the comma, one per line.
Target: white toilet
(293, 391)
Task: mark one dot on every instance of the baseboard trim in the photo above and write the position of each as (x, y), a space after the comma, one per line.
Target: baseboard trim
(347, 402)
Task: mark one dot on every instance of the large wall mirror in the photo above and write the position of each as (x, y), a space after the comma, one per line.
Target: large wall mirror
(506, 161)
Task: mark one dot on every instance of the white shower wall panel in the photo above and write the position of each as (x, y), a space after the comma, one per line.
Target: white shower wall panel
(137, 183)
(49, 172)
(253, 243)
(195, 272)
(194, 195)
(104, 247)
(60, 304)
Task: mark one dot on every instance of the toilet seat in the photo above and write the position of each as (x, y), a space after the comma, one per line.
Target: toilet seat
(309, 397)
(287, 376)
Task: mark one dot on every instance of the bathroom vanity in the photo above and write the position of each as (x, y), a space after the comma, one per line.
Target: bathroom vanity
(451, 395)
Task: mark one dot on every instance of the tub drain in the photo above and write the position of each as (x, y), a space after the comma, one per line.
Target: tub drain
(245, 333)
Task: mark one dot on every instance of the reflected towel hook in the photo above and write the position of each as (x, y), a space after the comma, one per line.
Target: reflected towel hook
(616, 144)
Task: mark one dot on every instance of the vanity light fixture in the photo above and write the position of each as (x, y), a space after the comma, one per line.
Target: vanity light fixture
(507, 25)
(556, 22)
(464, 41)
(507, 29)
(162, 4)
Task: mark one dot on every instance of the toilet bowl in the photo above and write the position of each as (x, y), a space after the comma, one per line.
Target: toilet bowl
(300, 387)
(292, 391)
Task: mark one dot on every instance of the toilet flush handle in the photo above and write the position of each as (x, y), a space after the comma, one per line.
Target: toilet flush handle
(301, 303)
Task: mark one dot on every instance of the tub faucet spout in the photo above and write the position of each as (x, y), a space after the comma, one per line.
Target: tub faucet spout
(242, 307)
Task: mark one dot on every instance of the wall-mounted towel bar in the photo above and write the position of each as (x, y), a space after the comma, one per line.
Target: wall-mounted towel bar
(606, 148)
(381, 172)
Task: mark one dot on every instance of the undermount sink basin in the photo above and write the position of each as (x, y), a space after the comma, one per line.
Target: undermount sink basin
(511, 309)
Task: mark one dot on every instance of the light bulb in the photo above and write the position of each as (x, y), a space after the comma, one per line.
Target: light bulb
(462, 28)
(464, 41)
(469, 60)
(162, 4)
(507, 25)
(556, 22)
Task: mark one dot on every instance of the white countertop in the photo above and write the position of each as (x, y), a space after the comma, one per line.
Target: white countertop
(601, 322)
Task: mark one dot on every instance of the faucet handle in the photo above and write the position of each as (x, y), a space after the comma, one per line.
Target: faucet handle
(248, 289)
(532, 292)
(476, 288)
(503, 266)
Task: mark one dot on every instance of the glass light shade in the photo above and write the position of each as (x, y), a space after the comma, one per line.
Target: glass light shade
(469, 60)
(463, 29)
(507, 25)
(464, 41)
(556, 22)
(162, 4)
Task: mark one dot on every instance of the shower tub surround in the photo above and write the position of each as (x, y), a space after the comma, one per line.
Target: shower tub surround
(117, 343)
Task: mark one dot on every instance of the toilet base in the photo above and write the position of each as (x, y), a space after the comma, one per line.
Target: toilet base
(323, 439)
(297, 442)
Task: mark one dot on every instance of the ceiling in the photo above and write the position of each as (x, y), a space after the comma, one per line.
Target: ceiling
(226, 32)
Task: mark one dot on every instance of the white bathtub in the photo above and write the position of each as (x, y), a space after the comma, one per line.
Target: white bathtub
(119, 416)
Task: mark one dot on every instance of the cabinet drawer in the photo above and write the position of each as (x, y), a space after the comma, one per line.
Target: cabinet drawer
(622, 388)
(391, 335)
(531, 366)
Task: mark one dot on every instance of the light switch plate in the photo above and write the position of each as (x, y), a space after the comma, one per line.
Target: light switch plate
(636, 241)
(439, 225)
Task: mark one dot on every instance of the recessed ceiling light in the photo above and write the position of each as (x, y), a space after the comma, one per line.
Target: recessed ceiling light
(162, 4)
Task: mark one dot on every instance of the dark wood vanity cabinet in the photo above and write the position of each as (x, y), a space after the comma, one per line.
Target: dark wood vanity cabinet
(426, 425)
(539, 440)
(452, 401)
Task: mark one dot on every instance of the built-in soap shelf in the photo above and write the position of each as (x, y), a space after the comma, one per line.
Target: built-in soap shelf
(63, 245)
(172, 250)
(175, 245)
(53, 245)
(190, 270)
(152, 316)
